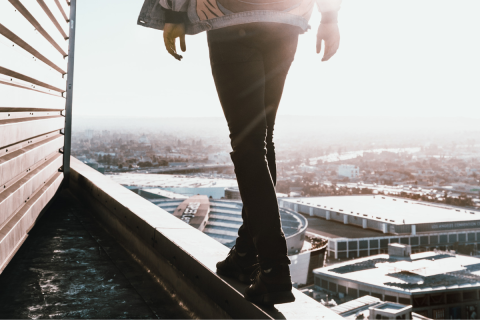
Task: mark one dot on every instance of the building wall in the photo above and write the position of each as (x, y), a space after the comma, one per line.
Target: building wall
(348, 170)
(299, 267)
(295, 242)
(358, 221)
(341, 248)
(371, 246)
(232, 194)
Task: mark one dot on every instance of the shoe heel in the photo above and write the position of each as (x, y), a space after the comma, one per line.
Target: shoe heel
(278, 298)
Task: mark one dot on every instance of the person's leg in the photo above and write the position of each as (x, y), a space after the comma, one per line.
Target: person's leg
(244, 242)
(235, 66)
(239, 72)
(276, 66)
(272, 283)
(277, 59)
(278, 44)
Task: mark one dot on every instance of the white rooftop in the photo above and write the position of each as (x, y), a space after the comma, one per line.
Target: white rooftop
(165, 193)
(396, 210)
(425, 269)
(170, 181)
(356, 305)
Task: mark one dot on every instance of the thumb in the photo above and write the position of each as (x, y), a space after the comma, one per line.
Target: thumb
(183, 46)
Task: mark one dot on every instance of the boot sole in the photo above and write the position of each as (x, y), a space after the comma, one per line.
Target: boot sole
(236, 275)
(269, 299)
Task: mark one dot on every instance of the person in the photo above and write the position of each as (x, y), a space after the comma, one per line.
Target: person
(251, 45)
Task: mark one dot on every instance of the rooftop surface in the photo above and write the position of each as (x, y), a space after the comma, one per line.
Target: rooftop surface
(160, 193)
(397, 210)
(70, 268)
(426, 272)
(355, 306)
(334, 229)
(170, 181)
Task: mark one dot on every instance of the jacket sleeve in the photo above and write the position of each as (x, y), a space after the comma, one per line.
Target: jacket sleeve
(329, 5)
(175, 5)
(174, 16)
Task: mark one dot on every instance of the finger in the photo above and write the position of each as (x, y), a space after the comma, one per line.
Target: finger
(173, 45)
(166, 42)
(171, 51)
(169, 48)
(174, 49)
(319, 45)
(183, 46)
(330, 50)
(175, 55)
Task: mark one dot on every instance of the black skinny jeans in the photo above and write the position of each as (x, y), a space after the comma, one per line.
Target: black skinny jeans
(250, 64)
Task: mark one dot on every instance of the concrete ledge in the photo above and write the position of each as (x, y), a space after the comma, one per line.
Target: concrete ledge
(180, 257)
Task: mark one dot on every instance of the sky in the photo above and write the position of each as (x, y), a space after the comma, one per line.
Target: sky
(396, 58)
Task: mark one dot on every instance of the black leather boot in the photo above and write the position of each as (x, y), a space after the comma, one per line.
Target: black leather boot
(270, 286)
(238, 267)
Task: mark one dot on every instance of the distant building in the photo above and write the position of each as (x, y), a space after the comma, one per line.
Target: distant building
(185, 185)
(360, 226)
(157, 193)
(177, 164)
(232, 193)
(371, 308)
(89, 134)
(144, 140)
(304, 168)
(439, 285)
(95, 165)
(348, 170)
(177, 155)
(219, 157)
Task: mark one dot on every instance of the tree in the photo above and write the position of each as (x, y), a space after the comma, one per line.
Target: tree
(145, 164)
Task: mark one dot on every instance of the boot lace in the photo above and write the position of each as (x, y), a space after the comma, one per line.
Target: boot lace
(230, 253)
(256, 270)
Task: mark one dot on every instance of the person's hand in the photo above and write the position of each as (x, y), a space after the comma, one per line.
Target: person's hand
(171, 31)
(329, 33)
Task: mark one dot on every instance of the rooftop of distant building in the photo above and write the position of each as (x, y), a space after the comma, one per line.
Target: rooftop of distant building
(171, 181)
(425, 271)
(395, 210)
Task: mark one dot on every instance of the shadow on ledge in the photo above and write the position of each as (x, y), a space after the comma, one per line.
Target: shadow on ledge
(69, 267)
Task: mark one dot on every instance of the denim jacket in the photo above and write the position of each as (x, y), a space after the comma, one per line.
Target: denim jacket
(204, 15)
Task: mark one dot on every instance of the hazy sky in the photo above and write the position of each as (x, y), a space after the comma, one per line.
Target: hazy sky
(396, 57)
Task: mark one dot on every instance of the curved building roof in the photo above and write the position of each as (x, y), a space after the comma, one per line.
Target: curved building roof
(225, 218)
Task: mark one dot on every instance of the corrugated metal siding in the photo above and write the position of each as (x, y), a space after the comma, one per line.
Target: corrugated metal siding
(337, 216)
(302, 208)
(33, 67)
(376, 225)
(355, 220)
(403, 228)
(319, 212)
